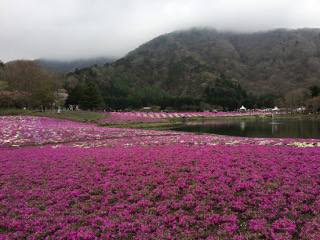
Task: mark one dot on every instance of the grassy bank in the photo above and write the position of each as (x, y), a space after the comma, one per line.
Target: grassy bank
(296, 116)
(77, 116)
(148, 126)
(13, 111)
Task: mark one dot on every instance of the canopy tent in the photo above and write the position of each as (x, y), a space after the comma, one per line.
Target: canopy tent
(275, 109)
(243, 108)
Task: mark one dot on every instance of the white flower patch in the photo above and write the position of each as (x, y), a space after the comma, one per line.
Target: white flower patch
(304, 144)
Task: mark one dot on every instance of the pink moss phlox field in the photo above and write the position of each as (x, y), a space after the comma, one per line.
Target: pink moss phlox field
(175, 192)
(186, 139)
(142, 117)
(104, 183)
(128, 117)
(29, 130)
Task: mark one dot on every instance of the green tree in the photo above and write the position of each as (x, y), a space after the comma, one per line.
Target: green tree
(43, 94)
(75, 95)
(29, 77)
(315, 90)
(91, 98)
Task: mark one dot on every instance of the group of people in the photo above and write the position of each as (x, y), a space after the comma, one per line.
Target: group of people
(70, 107)
(42, 108)
(73, 107)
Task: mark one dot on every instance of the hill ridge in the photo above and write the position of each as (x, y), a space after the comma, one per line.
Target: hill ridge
(185, 63)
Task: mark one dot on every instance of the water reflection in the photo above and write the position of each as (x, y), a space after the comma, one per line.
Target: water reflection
(242, 126)
(256, 128)
(274, 126)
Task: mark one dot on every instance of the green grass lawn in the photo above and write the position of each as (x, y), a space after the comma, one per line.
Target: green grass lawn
(13, 111)
(149, 126)
(78, 116)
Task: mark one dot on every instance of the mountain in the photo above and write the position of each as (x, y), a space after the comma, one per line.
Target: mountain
(71, 66)
(195, 61)
(278, 61)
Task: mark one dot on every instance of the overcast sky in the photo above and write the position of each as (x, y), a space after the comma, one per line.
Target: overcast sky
(69, 29)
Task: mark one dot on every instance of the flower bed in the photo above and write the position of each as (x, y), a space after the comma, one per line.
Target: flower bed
(124, 118)
(185, 139)
(160, 191)
(101, 183)
(18, 131)
(28, 130)
(141, 117)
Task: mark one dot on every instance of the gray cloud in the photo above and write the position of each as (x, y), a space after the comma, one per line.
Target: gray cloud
(67, 29)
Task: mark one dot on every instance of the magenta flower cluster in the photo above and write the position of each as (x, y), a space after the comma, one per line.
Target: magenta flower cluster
(128, 117)
(141, 117)
(137, 184)
(29, 130)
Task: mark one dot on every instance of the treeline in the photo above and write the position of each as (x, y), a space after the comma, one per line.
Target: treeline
(225, 95)
(118, 96)
(25, 84)
(305, 99)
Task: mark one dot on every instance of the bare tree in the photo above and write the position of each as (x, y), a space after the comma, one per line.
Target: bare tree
(296, 98)
(313, 105)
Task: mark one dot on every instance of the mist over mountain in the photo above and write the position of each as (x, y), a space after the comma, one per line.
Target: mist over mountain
(186, 63)
(71, 66)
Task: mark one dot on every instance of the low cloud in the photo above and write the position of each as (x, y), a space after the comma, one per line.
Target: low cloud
(68, 29)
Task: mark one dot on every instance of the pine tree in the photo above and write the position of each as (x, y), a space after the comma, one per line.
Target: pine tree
(91, 98)
(75, 95)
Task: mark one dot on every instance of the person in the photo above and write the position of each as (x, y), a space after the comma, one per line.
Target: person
(44, 108)
(59, 109)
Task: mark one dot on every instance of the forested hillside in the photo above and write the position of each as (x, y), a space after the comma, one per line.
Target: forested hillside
(185, 63)
(201, 69)
(277, 61)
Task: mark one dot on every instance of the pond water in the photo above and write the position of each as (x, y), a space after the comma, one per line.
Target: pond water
(260, 128)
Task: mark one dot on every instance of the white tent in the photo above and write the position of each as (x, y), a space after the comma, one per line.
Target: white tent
(243, 108)
(275, 109)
